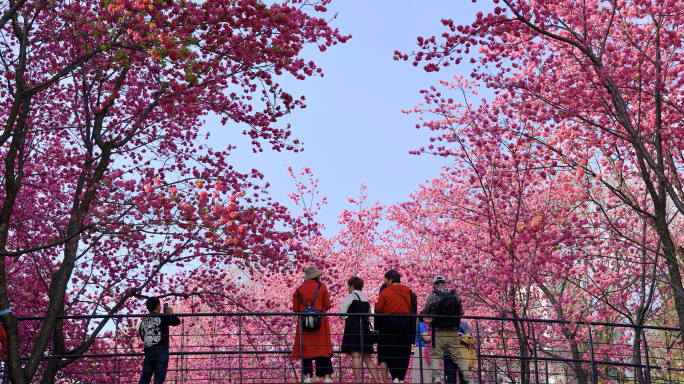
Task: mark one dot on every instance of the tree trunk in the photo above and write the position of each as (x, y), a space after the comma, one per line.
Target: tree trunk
(636, 355)
(674, 273)
(580, 373)
(54, 366)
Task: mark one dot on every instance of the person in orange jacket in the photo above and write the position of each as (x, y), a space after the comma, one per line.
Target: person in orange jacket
(396, 332)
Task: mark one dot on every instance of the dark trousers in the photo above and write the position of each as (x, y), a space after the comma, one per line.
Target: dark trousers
(323, 366)
(156, 363)
(451, 371)
(397, 336)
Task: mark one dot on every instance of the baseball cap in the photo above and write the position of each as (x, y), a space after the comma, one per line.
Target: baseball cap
(439, 279)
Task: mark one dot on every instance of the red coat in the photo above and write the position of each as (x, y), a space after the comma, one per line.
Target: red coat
(317, 343)
(3, 341)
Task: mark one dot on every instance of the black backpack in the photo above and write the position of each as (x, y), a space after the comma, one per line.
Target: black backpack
(311, 318)
(447, 304)
(414, 309)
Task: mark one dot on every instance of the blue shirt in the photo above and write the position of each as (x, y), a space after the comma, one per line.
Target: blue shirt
(464, 328)
(420, 328)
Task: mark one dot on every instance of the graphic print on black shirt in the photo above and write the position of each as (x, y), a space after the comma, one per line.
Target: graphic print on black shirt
(150, 331)
(154, 330)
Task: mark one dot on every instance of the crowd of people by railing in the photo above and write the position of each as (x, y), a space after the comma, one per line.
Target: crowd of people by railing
(394, 335)
(439, 335)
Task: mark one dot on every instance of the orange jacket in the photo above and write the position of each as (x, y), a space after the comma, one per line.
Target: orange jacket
(394, 299)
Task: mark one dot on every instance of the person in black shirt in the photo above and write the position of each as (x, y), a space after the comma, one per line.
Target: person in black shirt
(154, 332)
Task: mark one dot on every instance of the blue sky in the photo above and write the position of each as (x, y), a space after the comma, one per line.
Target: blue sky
(353, 129)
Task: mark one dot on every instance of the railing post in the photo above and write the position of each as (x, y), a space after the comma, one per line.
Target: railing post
(648, 363)
(339, 367)
(546, 370)
(183, 372)
(116, 346)
(496, 373)
(240, 346)
(419, 344)
(361, 329)
(479, 351)
(301, 349)
(534, 353)
(213, 363)
(594, 378)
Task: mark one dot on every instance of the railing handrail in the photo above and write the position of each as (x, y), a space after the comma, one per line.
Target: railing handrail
(338, 314)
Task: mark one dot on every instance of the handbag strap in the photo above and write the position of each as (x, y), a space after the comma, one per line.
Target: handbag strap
(408, 306)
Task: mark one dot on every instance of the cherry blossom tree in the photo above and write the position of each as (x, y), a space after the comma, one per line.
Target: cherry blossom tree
(527, 236)
(108, 191)
(603, 80)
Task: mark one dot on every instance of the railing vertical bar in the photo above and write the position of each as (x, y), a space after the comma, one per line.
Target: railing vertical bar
(361, 350)
(546, 370)
(594, 378)
(534, 353)
(479, 351)
(496, 373)
(647, 356)
(183, 369)
(116, 345)
(420, 343)
(240, 347)
(301, 349)
(213, 348)
(176, 370)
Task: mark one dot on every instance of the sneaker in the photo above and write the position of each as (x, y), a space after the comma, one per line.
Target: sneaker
(438, 380)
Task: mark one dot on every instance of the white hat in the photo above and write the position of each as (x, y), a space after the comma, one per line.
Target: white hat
(311, 272)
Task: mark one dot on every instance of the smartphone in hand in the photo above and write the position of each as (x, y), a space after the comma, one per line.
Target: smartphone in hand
(166, 306)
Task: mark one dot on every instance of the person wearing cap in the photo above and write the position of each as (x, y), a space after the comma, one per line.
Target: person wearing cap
(444, 337)
(313, 345)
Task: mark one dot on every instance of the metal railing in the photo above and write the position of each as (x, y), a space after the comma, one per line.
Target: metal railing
(257, 348)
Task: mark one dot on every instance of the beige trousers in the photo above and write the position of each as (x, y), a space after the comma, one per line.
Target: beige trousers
(452, 342)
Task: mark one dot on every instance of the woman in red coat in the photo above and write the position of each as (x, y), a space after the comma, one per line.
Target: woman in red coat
(316, 343)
